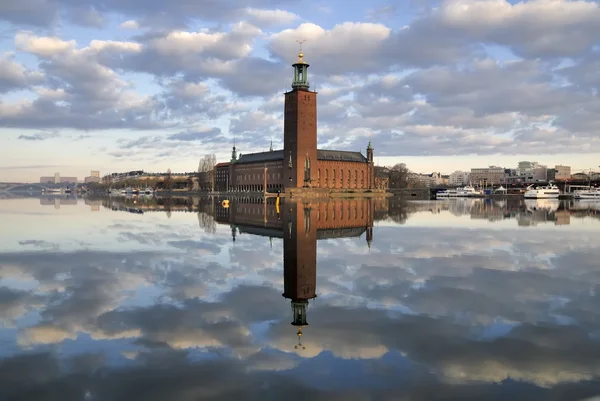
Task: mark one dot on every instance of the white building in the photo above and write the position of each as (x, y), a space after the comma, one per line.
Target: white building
(562, 173)
(459, 178)
(430, 180)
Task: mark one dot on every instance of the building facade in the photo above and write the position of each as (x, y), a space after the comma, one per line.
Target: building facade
(562, 173)
(459, 178)
(300, 164)
(491, 175)
(57, 179)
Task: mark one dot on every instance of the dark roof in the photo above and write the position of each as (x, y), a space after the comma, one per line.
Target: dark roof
(261, 157)
(341, 155)
(340, 232)
(262, 231)
(322, 154)
(327, 233)
(224, 164)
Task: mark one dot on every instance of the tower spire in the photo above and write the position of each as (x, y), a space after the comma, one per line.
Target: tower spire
(300, 70)
(233, 153)
(271, 148)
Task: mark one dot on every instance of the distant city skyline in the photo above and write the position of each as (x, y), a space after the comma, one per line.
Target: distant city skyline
(418, 164)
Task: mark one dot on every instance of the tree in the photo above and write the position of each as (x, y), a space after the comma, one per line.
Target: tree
(206, 171)
(168, 184)
(399, 176)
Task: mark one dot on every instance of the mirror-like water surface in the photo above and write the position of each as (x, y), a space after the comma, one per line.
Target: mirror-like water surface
(183, 299)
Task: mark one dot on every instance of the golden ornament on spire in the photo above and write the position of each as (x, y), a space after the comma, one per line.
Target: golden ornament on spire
(300, 54)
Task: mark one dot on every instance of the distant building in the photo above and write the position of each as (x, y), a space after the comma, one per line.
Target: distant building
(57, 179)
(580, 176)
(492, 175)
(429, 180)
(93, 177)
(459, 178)
(527, 166)
(562, 173)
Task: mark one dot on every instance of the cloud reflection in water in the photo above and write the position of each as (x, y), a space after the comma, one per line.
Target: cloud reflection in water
(386, 308)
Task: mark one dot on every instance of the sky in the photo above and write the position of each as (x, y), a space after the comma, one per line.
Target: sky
(119, 85)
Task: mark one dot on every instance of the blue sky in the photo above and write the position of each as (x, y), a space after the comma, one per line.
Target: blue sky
(438, 85)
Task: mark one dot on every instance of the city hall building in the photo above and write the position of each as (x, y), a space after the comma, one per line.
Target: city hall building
(299, 164)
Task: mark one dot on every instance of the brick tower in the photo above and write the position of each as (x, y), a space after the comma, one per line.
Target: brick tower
(300, 130)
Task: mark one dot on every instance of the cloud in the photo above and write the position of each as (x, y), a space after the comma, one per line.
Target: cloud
(270, 17)
(129, 24)
(40, 136)
(454, 78)
(206, 135)
(14, 75)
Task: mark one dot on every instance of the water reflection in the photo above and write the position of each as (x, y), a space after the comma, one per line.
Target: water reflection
(393, 300)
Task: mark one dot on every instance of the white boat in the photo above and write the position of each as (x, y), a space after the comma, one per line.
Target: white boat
(550, 191)
(465, 192)
(52, 191)
(590, 193)
(149, 191)
(469, 191)
(447, 193)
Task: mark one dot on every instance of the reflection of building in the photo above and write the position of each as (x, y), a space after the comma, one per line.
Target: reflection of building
(57, 179)
(58, 201)
(300, 225)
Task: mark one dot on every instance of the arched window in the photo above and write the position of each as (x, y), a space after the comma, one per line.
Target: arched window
(341, 177)
(319, 177)
(307, 169)
(333, 178)
(326, 178)
(362, 179)
(349, 178)
(355, 178)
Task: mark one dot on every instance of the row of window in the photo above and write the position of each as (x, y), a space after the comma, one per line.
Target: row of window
(342, 181)
(246, 177)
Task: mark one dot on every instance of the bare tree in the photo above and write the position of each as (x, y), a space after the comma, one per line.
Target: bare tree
(168, 180)
(399, 176)
(206, 170)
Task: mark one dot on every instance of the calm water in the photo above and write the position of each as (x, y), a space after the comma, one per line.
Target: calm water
(182, 299)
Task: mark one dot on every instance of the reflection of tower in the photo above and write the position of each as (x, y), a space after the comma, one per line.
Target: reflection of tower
(299, 261)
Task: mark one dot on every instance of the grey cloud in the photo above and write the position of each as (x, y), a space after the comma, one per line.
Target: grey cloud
(196, 246)
(40, 136)
(39, 243)
(29, 12)
(45, 12)
(87, 17)
(144, 141)
(213, 134)
(14, 75)
(31, 166)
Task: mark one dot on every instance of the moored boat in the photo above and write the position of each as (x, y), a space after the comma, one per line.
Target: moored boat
(590, 193)
(549, 191)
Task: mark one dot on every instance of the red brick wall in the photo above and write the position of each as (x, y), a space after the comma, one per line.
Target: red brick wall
(253, 174)
(299, 136)
(341, 175)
